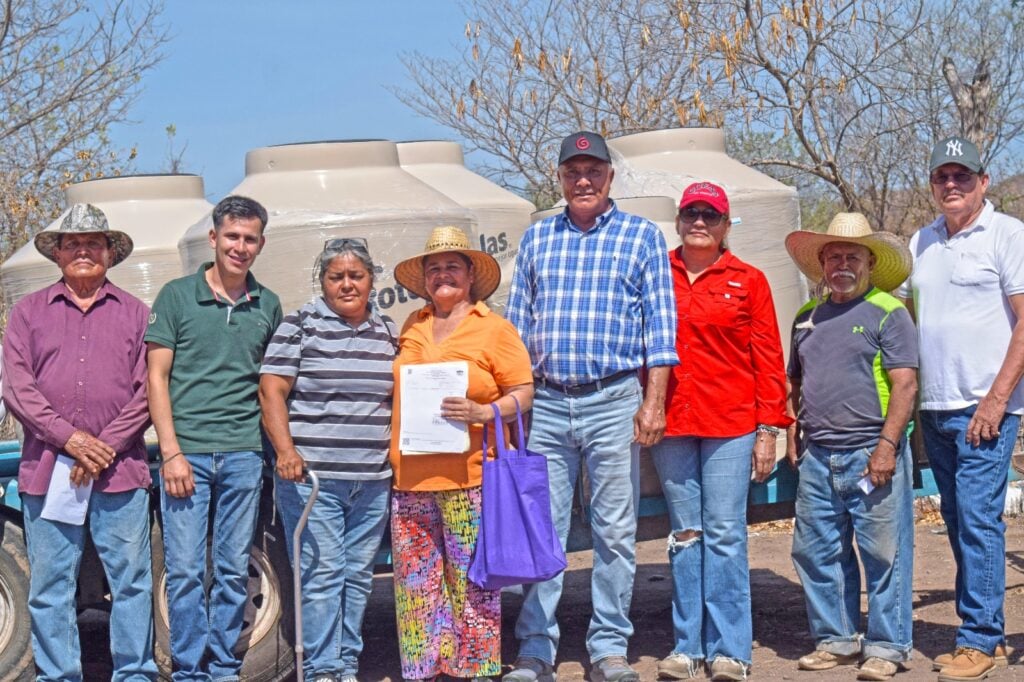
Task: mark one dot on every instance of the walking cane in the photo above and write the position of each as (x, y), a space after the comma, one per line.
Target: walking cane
(297, 570)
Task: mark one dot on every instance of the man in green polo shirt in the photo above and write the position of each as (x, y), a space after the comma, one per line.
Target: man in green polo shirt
(206, 337)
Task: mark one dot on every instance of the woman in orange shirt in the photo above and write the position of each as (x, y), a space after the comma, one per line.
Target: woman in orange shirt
(446, 624)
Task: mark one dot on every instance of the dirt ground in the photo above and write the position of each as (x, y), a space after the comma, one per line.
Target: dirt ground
(780, 625)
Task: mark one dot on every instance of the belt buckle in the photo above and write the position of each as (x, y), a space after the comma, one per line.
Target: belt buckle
(575, 391)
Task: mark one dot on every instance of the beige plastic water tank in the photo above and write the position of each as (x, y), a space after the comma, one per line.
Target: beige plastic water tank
(318, 191)
(154, 210)
(501, 216)
(664, 162)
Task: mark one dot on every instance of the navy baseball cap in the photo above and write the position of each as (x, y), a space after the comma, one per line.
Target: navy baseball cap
(584, 143)
(958, 150)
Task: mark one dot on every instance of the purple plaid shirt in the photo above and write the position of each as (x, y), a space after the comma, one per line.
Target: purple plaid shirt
(66, 370)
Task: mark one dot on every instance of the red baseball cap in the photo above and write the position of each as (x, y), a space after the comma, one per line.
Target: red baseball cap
(710, 193)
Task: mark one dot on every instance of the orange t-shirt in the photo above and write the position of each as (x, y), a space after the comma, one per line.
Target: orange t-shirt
(496, 356)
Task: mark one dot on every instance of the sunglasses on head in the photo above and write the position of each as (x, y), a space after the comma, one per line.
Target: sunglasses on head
(710, 216)
(342, 243)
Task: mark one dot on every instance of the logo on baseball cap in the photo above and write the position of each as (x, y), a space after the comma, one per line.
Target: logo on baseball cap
(584, 143)
(710, 193)
(958, 150)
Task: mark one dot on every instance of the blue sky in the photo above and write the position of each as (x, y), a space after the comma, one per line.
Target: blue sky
(241, 74)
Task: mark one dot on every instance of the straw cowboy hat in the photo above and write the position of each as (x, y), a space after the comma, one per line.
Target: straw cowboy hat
(85, 219)
(892, 258)
(448, 239)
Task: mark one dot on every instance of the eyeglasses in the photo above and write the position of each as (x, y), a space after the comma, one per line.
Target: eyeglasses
(342, 243)
(710, 216)
(960, 177)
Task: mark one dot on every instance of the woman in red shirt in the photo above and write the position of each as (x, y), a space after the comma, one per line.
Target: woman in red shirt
(724, 407)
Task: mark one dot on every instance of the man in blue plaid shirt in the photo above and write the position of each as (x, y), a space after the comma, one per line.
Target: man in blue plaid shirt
(592, 299)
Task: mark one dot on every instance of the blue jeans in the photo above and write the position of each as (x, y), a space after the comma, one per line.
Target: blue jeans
(705, 481)
(119, 526)
(830, 512)
(595, 431)
(972, 484)
(203, 635)
(339, 544)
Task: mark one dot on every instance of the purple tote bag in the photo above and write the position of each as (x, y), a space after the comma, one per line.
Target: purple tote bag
(517, 542)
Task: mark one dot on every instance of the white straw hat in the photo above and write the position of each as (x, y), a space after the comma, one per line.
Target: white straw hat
(893, 261)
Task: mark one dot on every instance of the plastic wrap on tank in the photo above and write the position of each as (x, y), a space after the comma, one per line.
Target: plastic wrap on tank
(501, 215)
(154, 210)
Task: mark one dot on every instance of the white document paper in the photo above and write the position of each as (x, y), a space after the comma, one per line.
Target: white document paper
(424, 430)
(66, 502)
(866, 485)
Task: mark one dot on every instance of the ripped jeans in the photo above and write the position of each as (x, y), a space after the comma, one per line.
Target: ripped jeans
(705, 481)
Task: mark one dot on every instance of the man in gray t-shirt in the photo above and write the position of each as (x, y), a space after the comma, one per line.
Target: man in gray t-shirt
(853, 376)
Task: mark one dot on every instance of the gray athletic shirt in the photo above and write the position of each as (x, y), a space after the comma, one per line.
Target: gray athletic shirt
(841, 362)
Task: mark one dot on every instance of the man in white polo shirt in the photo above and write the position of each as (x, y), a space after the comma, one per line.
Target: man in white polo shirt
(967, 291)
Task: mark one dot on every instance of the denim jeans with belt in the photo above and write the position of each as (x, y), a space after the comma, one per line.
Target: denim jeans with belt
(203, 635)
(339, 544)
(595, 431)
(706, 481)
(972, 484)
(831, 510)
(119, 526)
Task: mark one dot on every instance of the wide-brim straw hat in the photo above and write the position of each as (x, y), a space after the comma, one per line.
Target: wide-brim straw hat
(85, 219)
(893, 260)
(448, 239)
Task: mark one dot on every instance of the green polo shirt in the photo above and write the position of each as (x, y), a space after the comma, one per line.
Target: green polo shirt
(218, 348)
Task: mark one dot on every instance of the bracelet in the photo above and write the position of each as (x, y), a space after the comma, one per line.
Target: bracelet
(164, 463)
(770, 430)
(890, 441)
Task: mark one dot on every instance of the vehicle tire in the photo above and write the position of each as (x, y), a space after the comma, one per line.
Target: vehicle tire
(15, 626)
(265, 644)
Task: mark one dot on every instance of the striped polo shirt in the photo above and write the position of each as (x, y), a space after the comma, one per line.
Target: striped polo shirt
(339, 409)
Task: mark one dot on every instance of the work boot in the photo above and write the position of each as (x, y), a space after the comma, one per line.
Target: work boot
(613, 669)
(825, 660)
(1001, 658)
(529, 669)
(967, 664)
(875, 668)
(678, 667)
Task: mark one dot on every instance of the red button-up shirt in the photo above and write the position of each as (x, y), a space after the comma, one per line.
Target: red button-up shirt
(66, 370)
(730, 375)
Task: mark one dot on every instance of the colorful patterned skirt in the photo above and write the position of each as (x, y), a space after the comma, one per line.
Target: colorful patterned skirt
(446, 624)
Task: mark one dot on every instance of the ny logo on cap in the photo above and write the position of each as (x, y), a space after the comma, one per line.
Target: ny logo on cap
(582, 143)
(954, 148)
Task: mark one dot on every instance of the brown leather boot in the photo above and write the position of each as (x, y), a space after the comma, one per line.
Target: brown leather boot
(1001, 657)
(967, 664)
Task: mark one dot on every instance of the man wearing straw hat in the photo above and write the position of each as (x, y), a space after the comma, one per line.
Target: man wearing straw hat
(75, 377)
(967, 292)
(853, 376)
(592, 298)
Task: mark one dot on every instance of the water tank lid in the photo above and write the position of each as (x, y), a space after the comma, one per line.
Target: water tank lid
(135, 188)
(671, 139)
(321, 156)
(430, 151)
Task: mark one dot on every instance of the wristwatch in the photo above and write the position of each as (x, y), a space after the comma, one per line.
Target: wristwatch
(765, 428)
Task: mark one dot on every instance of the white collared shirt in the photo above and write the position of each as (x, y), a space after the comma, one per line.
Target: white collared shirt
(961, 287)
